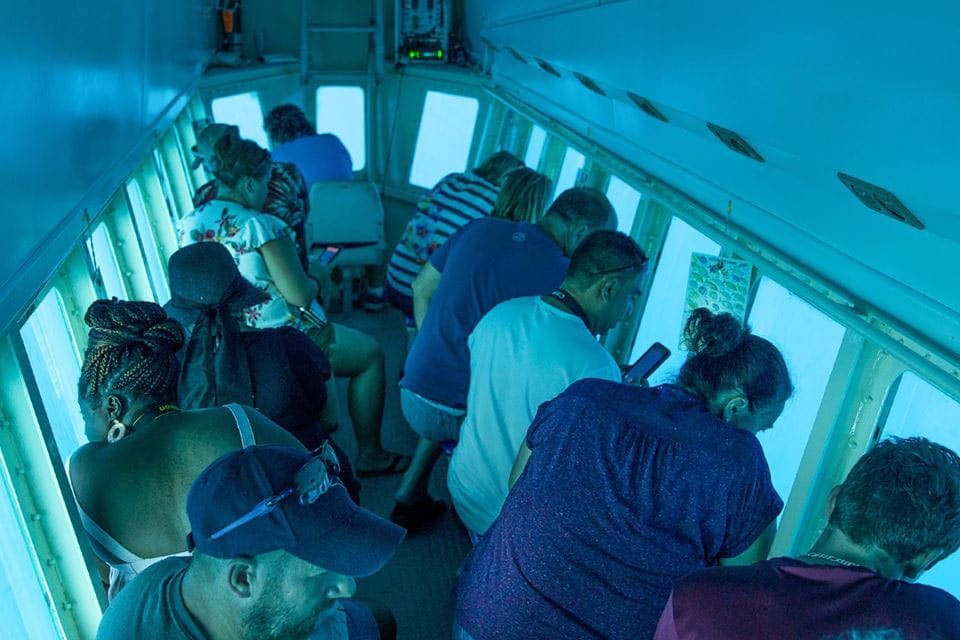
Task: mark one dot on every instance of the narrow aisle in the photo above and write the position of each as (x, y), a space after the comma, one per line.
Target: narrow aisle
(417, 584)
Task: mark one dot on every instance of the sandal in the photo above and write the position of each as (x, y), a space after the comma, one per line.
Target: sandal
(397, 463)
(417, 516)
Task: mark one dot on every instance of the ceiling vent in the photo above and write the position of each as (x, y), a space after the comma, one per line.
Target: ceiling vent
(880, 200)
(647, 107)
(516, 54)
(735, 142)
(546, 66)
(589, 83)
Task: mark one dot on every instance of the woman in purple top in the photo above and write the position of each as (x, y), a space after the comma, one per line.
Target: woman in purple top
(624, 490)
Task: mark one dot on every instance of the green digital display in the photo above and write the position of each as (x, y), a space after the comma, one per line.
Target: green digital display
(425, 54)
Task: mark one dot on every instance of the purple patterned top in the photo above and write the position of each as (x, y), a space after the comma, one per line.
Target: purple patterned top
(627, 490)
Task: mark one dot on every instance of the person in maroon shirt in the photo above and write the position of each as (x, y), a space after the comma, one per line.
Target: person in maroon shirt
(896, 515)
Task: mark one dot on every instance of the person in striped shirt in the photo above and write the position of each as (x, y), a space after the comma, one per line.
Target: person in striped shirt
(456, 200)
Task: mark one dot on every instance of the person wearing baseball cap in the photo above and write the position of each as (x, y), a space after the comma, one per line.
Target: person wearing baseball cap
(277, 544)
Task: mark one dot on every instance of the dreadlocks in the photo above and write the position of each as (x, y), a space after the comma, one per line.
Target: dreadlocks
(132, 347)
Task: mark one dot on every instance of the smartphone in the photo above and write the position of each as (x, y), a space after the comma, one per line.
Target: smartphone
(328, 255)
(646, 364)
(314, 313)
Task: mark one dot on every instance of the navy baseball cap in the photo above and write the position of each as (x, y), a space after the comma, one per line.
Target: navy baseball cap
(331, 532)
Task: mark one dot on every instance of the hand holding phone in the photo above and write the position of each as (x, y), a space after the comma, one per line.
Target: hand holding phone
(314, 314)
(646, 364)
(328, 255)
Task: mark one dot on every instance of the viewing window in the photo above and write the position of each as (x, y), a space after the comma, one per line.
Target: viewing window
(572, 163)
(919, 409)
(55, 362)
(100, 247)
(23, 601)
(664, 309)
(625, 200)
(809, 341)
(341, 111)
(538, 137)
(244, 111)
(444, 137)
(148, 243)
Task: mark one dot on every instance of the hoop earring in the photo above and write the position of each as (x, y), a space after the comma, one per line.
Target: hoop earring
(116, 431)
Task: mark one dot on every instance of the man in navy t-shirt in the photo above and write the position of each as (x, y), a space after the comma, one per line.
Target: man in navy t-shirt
(896, 515)
(485, 263)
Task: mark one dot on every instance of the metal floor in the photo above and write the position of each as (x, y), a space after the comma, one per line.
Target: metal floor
(417, 583)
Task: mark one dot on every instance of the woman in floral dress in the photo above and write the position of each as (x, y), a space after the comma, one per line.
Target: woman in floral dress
(264, 250)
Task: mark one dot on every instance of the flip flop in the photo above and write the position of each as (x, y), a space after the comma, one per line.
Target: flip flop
(397, 464)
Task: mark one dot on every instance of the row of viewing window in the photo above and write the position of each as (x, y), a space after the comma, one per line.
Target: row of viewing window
(144, 212)
(809, 339)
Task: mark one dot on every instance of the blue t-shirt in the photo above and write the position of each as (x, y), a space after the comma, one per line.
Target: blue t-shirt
(627, 490)
(319, 157)
(486, 262)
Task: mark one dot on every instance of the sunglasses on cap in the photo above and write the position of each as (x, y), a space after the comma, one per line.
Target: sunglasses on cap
(317, 476)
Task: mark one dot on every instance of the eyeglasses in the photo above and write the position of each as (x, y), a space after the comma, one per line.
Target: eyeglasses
(317, 476)
(642, 266)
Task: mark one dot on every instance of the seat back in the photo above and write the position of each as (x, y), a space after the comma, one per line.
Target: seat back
(347, 213)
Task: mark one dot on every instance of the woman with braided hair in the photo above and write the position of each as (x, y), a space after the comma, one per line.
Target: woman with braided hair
(620, 491)
(263, 248)
(131, 480)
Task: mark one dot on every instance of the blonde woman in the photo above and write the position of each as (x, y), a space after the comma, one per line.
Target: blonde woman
(523, 197)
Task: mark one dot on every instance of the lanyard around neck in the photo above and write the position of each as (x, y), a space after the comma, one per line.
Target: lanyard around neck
(567, 300)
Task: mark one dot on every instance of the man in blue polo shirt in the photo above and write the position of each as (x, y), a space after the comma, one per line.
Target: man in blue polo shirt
(485, 263)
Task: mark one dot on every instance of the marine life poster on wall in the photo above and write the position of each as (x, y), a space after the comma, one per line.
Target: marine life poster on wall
(722, 285)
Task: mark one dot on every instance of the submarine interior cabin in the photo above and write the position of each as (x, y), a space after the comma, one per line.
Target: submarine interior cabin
(811, 149)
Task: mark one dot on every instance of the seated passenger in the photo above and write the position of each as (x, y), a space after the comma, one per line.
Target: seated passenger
(280, 372)
(895, 516)
(287, 194)
(293, 139)
(623, 490)
(525, 352)
(277, 570)
(456, 200)
(131, 480)
(263, 249)
(485, 263)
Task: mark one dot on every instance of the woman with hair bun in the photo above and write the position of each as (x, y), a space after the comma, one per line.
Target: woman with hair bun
(263, 248)
(620, 491)
(131, 480)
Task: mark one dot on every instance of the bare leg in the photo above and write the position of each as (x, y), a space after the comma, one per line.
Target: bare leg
(357, 356)
(416, 480)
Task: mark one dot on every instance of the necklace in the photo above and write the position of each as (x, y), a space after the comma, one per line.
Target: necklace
(567, 300)
(119, 430)
(161, 409)
(829, 558)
